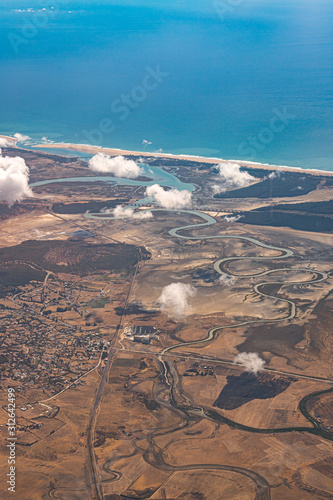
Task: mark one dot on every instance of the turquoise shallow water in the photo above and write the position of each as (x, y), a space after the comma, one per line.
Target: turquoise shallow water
(157, 174)
(252, 81)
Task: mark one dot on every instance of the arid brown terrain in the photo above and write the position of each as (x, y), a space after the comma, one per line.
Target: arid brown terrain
(116, 399)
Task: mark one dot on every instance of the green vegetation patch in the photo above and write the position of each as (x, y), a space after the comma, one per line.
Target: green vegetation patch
(74, 257)
(298, 221)
(19, 275)
(99, 303)
(13, 276)
(314, 207)
(283, 184)
(81, 208)
(127, 362)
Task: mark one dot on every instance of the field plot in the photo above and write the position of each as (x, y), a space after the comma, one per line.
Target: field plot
(321, 407)
(118, 397)
(205, 484)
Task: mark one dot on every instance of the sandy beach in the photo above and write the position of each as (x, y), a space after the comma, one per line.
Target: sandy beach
(12, 140)
(85, 148)
(115, 152)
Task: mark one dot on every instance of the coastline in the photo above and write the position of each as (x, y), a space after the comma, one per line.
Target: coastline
(12, 140)
(85, 148)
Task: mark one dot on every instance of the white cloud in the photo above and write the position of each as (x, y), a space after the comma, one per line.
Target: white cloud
(217, 188)
(121, 212)
(21, 137)
(14, 177)
(146, 143)
(143, 215)
(45, 140)
(174, 300)
(274, 174)
(226, 280)
(229, 218)
(118, 166)
(251, 362)
(232, 178)
(169, 199)
(5, 143)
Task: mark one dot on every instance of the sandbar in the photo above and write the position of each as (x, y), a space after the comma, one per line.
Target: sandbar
(84, 148)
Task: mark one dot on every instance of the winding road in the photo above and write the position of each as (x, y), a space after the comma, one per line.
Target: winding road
(188, 413)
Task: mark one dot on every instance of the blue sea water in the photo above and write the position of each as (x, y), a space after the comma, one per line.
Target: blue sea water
(245, 79)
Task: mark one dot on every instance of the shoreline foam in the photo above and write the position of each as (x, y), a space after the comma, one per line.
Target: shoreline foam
(86, 148)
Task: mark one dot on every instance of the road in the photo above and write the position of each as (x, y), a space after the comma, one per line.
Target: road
(189, 413)
(212, 359)
(97, 492)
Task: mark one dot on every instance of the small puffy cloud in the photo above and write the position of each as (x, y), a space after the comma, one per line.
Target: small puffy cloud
(169, 199)
(230, 218)
(14, 177)
(45, 140)
(146, 143)
(274, 174)
(118, 166)
(175, 300)
(226, 280)
(251, 362)
(122, 212)
(21, 137)
(143, 215)
(232, 177)
(217, 188)
(5, 143)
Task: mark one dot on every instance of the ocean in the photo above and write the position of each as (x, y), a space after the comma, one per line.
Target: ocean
(237, 79)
